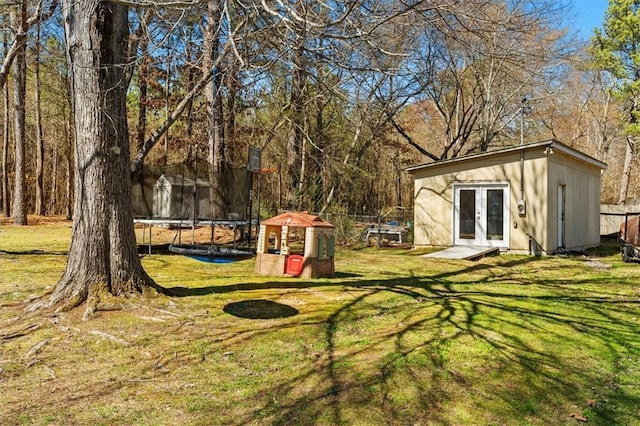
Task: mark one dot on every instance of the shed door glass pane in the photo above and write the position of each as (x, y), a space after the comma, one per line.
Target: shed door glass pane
(467, 214)
(495, 214)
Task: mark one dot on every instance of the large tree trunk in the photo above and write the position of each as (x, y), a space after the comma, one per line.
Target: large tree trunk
(19, 20)
(103, 258)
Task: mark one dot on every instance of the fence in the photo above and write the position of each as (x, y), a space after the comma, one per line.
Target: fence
(612, 215)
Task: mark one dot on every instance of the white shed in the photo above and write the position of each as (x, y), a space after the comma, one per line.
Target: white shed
(541, 197)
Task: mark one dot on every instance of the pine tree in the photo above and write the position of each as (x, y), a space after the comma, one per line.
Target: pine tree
(616, 49)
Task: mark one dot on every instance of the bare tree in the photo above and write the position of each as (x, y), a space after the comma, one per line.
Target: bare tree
(476, 60)
(211, 65)
(218, 161)
(20, 37)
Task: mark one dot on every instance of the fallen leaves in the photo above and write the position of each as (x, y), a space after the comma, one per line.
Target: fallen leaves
(579, 417)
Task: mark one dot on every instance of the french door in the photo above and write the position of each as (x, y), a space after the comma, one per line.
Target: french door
(481, 215)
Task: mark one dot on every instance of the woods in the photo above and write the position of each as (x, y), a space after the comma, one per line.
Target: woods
(340, 97)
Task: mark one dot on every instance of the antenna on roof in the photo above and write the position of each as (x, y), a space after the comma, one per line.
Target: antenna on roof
(525, 108)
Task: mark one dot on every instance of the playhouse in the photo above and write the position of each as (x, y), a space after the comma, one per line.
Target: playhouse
(296, 244)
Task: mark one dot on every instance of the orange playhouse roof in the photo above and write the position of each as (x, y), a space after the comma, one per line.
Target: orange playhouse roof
(297, 219)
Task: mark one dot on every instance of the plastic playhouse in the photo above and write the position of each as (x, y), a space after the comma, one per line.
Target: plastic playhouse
(296, 244)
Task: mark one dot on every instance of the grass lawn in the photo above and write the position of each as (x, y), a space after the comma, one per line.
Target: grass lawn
(394, 339)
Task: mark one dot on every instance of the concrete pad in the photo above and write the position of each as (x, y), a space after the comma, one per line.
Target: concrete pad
(463, 252)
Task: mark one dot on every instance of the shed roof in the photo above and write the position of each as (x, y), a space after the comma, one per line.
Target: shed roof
(553, 144)
(297, 219)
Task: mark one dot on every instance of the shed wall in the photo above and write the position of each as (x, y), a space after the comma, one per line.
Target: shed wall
(582, 202)
(532, 227)
(537, 174)
(434, 197)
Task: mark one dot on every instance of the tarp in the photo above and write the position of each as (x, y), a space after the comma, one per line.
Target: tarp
(630, 232)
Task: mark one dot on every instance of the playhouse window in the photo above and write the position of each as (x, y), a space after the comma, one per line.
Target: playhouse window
(326, 245)
(272, 243)
(295, 240)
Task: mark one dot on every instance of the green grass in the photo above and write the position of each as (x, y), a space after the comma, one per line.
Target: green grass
(394, 339)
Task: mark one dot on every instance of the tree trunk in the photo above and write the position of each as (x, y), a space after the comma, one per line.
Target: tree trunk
(39, 210)
(232, 86)
(626, 173)
(298, 128)
(53, 193)
(190, 81)
(103, 259)
(19, 20)
(6, 204)
(143, 81)
(167, 99)
(213, 94)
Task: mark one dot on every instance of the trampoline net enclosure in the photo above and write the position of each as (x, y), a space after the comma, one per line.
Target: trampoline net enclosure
(167, 192)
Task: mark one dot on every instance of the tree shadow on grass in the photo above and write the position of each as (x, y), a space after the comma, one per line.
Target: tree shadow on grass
(392, 349)
(35, 252)
(294, 283)
(419, 347)
(425, 347)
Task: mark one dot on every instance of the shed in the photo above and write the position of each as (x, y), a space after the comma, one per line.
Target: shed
(173, 197)
(537, 198)
(296, 244)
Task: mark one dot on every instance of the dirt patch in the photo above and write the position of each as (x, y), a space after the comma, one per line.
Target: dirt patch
(165, 235)
(597, 264)
(160, 234)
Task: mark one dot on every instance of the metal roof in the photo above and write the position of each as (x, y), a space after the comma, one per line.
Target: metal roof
(552, 144)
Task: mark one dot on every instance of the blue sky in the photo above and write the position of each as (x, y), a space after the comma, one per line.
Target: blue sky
(589, 14)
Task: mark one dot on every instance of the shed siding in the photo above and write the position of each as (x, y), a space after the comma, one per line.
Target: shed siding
(530, 231)
(434, 197)
(541, 174)
(582, 202)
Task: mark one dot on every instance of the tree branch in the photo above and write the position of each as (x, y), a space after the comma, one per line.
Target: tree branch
(138, 160)
(21, 39)
(410, 140)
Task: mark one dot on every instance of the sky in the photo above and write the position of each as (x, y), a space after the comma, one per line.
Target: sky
(589, 14)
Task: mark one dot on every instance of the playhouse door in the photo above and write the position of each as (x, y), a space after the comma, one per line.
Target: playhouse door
(481, 215)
